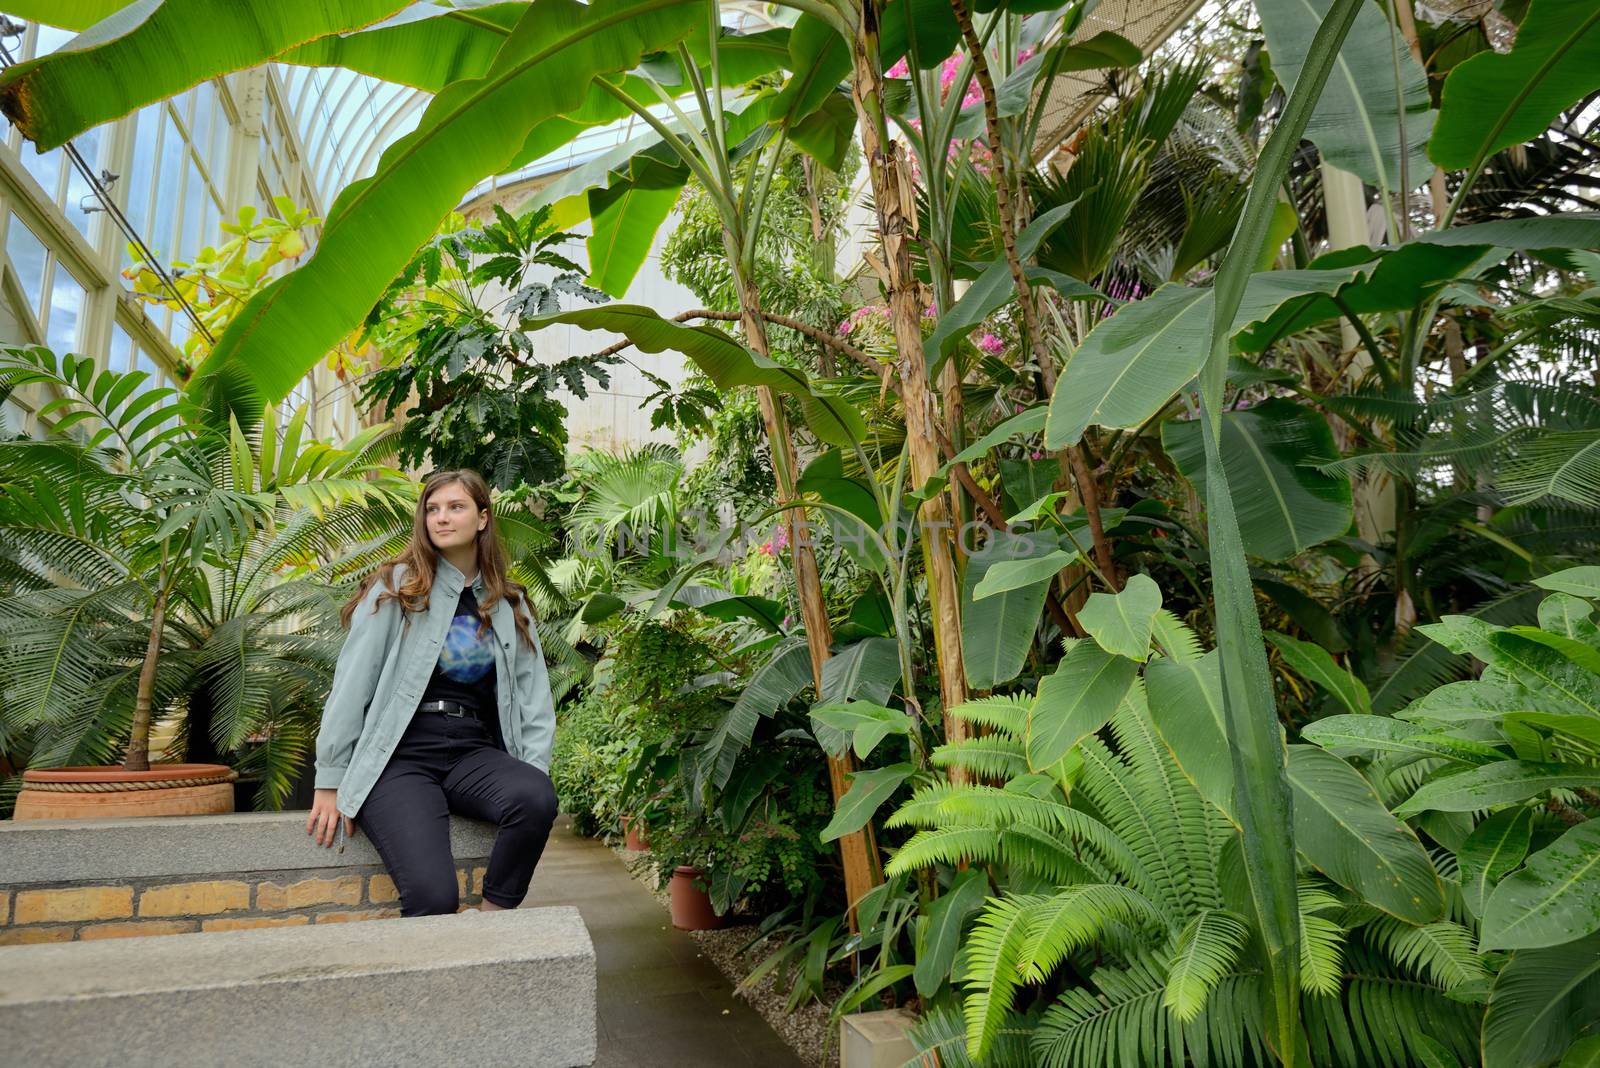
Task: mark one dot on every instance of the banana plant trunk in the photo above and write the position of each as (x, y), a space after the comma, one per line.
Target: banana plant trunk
(896, 208)
(863, 869)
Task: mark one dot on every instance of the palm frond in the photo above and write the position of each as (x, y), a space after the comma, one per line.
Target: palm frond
(1206, 950)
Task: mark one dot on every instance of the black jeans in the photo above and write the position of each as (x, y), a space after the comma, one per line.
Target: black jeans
(442, 765)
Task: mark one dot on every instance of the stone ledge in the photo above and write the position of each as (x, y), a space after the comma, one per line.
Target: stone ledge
(499, 988)
(105, 851)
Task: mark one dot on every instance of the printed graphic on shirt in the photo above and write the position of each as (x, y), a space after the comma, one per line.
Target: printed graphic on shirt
(466, 657)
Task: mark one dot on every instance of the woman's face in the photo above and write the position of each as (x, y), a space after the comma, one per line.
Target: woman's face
(453, 518)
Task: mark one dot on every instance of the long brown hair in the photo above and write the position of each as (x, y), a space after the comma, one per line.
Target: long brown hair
(420, 558)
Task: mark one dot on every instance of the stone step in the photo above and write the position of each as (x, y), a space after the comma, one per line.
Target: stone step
(513, 987)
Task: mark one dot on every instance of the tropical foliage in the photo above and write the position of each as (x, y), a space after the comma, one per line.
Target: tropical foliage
(1174, 546)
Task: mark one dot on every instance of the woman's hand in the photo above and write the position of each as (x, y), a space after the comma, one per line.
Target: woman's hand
(325, 817)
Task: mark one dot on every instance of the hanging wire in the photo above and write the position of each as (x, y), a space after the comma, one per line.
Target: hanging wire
(9, 28)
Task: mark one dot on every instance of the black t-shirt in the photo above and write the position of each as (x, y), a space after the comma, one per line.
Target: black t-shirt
(465, 671)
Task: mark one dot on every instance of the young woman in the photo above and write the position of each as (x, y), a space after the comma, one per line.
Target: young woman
(440, 703)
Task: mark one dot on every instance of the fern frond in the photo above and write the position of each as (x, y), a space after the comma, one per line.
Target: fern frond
(1005, 713)
(1321, 941)
(1443, 952)
(994, 949)
(1175, 638)
(1206, 949)
(1377, 1020)
(1075, 917)
(989, 756)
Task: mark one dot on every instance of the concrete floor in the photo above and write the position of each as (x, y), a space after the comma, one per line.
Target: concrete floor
(661, 1004)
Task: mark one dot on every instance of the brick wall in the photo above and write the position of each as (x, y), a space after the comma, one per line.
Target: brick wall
(249, 899)
(68, 881)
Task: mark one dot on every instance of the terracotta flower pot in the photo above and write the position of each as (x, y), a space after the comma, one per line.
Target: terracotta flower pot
(111, 792)
(634, 834)
(691, 906)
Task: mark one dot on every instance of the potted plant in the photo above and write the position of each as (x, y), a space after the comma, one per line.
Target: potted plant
(141, 547)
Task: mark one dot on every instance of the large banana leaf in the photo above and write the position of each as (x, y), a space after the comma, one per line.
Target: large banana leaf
(852, 494)
(1541, 1001)
(1285, 505)
(726, 362)
(1132, 364)
(141, 55)
(1492, 851)
(997, 630)
(1358, 122)
(1121, 622)
(1185, 699)
(470, 130)
(1493, 100)
(1555, 898)
(1346, 832)
(626, 215)
(425, 46)
(1075, 701)
(67, 14)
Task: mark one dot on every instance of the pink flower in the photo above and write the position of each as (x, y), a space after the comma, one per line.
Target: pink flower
(1037, 455)
(780, 538)
(1019, 409)
(765, 548)
(991, 344)
(899, 70)
(1024, 55)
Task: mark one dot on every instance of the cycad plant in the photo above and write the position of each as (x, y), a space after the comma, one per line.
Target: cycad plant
(140, 551)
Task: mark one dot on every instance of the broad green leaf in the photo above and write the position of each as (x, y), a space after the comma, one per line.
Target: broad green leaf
(1462, 634)
(152, 50)
(1569, 230)
(1026, 480)
(1584, 1053)
(1315, 663)
(1284, 504)
(1579, 653)
(626, 215)
(1541, 1001)
(1366, 731)
(1347, 834)
(1121, 622)
(1555, 898)
(67, 14)
(828, 132)
(1568, 615)
(1562, 684)
(1002, 576)
(425, 46)
(1492, 851)
(997, 629)
(1504, 783)
(865, 670)
(1584, 729)
(818, 59)
(1495, 100)
(1185, 699)
(936, 955)
(990, 291)
(1578, 581)
(719, 604)
(826, 477)
(1359, 121)
(471, 129)
(865, 724)
(1102, 51)
(724, 360)
(1030, 421)
(1131, 364)
(868, 791)
(1075, 701)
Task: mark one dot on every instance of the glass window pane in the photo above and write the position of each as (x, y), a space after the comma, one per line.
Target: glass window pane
(78, 190)
(28, 260)
(142, 171)
(12, 417)
(62, 332)
(121, 355)
(143, 362)
(194, 201)
(50, 39)
(46, 169)
(169, 182)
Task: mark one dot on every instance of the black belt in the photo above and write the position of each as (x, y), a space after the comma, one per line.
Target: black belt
(454, 709)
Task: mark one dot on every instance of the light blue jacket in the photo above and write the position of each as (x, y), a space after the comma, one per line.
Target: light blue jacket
(383, 669)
